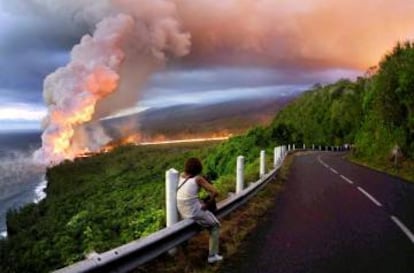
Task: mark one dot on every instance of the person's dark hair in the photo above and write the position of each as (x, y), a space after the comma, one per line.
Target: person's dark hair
(193, 166)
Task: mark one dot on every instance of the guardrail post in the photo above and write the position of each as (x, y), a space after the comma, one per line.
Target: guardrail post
(262, 163)
(289, 148)
(294, 147)
(304, 146)
(171, 184)
(276, 156)
(240, 174)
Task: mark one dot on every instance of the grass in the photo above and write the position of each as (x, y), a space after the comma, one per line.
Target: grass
(235, 230)
(404, 169)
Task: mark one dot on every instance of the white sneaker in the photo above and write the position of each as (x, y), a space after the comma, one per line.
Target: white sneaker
(214, 258)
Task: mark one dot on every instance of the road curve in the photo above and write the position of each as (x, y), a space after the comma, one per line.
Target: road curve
(334, 216)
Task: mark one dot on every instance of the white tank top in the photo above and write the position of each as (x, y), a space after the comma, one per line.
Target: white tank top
(189, 190)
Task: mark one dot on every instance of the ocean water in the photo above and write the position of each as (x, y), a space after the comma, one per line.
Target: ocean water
(21, 182)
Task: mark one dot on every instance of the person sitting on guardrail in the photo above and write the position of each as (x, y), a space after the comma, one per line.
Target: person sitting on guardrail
(190, 206)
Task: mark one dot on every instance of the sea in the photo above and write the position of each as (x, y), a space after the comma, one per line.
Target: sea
(21, 181)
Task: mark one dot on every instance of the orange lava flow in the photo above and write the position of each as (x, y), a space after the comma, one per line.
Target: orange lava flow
(135, 139)
(188, 140)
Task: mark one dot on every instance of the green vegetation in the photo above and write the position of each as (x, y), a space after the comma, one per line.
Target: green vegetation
(93, 204)
(100, 202)
(97, 203)
(329, 115)
(389, 106)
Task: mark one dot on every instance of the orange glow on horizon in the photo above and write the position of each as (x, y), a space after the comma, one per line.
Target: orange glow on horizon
(135, 139)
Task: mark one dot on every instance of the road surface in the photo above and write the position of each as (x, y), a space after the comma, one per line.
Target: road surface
(334, 216)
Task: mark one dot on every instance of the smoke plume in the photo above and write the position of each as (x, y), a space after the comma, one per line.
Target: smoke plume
(105, 73)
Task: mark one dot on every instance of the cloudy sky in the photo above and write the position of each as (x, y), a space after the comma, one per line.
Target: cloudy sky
(239, 49)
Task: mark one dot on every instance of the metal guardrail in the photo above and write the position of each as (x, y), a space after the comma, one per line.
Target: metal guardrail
(131, 255)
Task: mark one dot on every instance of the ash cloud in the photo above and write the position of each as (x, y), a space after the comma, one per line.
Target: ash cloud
(298, 33)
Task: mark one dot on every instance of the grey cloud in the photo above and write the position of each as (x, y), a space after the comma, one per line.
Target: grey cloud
(221, 78)
(21, 33)
(31, 47)
(22, 74)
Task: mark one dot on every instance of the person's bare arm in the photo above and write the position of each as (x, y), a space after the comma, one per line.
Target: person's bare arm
(202, 182)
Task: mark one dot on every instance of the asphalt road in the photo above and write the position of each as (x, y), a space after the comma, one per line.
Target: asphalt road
(334, 216)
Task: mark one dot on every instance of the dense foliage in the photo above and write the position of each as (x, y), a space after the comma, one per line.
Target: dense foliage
(93, 204)
(389, 106)
(100, 202)
(329, 115)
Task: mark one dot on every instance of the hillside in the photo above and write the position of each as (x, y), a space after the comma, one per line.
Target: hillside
(197, 120)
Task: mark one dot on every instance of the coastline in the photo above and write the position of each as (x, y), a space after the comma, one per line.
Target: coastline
(39, 195)
(40, 191)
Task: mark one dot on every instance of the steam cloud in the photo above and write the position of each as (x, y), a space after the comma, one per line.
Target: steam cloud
(134, 38)
(123, 51)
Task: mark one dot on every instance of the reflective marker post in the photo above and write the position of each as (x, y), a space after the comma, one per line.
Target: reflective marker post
(262, 163)
(240, 174)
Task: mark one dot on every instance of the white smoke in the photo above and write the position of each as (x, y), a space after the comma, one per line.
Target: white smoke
(17, 167)
(105, 73)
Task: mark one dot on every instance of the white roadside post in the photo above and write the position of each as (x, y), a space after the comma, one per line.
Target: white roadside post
(294, 147)
(304, 146)
(171, 184)
(276, 156)
(313, 146)
(262, 163)
(240, 174)
(289, 148)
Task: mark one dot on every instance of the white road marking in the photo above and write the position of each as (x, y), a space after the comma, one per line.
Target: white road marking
(334, 171)
(404, 229)
(370, 197)
(347, 179)
(322, 162)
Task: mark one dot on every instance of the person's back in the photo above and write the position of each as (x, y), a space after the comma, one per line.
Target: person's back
(187, 197)
(188, 188)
